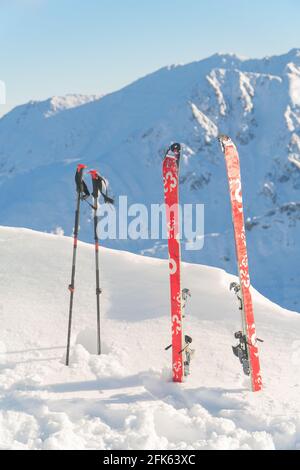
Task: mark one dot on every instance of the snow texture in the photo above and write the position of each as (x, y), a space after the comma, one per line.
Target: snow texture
(124, 135)
(125, 398)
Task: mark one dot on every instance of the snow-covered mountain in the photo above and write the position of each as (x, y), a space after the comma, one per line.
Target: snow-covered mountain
(124, 134)
(125, 399)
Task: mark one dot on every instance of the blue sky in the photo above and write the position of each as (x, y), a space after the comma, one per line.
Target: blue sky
(54, 47)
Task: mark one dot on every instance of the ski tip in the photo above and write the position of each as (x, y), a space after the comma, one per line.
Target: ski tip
(225, 141)
(223, 138)
(175, 149)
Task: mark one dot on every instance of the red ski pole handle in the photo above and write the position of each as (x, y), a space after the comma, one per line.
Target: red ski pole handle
(94, 174)
(81, 167)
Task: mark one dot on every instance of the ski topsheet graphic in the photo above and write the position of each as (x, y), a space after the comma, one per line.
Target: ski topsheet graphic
(248, 348)
(171, 190)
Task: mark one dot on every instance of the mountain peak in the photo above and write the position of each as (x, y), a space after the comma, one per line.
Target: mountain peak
(69, 101)
(230, 56)
(49, 107)
(294, 52)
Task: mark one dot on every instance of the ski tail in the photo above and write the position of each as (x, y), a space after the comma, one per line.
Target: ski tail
(171, 192)
(248, 323)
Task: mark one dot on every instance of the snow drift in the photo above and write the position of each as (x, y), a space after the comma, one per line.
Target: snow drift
(125, 399)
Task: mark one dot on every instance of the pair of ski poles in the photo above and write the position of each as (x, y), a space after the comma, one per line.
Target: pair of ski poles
(82, 195)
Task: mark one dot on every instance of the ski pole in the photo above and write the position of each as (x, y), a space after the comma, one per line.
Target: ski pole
(98, 183)
(95, 194)
(81, 189)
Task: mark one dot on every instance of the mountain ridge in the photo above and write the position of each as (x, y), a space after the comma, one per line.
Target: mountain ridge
(124, 135)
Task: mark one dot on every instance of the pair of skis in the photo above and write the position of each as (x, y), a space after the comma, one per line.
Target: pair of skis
(247, 349)
(82, 195)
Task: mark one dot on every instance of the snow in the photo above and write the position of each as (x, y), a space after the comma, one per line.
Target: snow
(295, 161)
(210, 128)
(61, 103)
(214, 82)
(124, 136)
(294, 77)
(125, 399)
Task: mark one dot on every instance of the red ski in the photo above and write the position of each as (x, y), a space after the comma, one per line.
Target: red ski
(171, 185)
(248, 323)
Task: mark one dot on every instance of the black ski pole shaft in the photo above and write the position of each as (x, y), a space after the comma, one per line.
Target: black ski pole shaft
(95, 176)
(79, 174)
(98, 290)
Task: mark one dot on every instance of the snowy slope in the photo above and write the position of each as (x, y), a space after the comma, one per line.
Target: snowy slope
(124, 134)
(125, 399)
